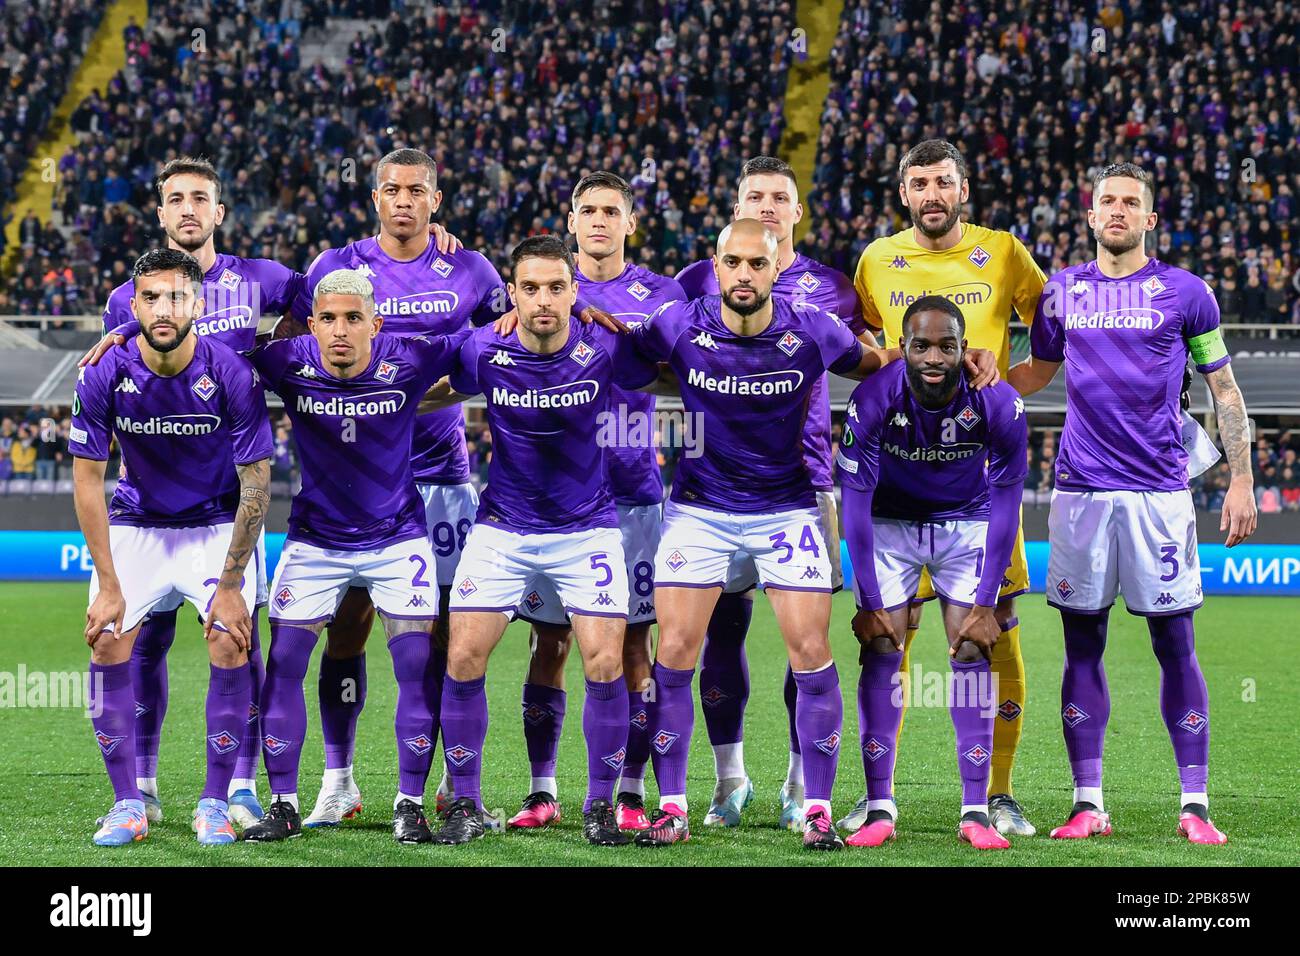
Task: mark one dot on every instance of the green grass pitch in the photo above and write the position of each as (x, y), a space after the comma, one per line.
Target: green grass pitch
(52, 783)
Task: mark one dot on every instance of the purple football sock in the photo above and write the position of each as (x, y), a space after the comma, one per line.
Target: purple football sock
(880, 712)
(413, 723)
(342, 692)
(284, 708)
(724, 672)
(672, 721)
(1184, 699)
(464, 728)
(791, 694)
(149, 681)
(971, 705)
(543, 721)
(250, 747)
(638, 740)
(1085, 699)
(604, 727)
(114, 698)
(819, 713)
(227, 714)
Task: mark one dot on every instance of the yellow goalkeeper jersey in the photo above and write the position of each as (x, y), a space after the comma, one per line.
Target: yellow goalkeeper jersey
(987, 274)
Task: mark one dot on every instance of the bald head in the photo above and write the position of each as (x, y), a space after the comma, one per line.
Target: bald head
(746, 266)
(746, 233)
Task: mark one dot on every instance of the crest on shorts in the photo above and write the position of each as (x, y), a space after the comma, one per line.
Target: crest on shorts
(1194, 721)
(466, 588)
(283, 598)
(663, 741)
(533, 601)
(275, 745)
(205, 388)
(789, 343)
(638, 290)
(1073, 715)
(420, 745)
(223, 742)
(386, 372)
(459, 755)
(874, 749)
(582, 353)
(1063, 588)
(675, 561)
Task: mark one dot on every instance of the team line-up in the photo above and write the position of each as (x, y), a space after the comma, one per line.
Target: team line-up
(575, 537)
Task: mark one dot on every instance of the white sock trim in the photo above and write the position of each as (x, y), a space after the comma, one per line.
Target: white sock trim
(147, 785)
(1202, 798)
(887, 805)
(794, 771)
(544, 785)
(241, 783)
(289, 798)
(338, 778)
(634, 785)
(974, 808)
(729, 760)
(809, 805)
(1090, 795)
(675, 798)
(419, 801)
(817, 670)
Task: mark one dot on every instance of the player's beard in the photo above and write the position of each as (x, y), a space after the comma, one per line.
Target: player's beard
(950, 220)
(760, 300)
(933, 394)
(191, 245)
(164, 347)
(1117, 245)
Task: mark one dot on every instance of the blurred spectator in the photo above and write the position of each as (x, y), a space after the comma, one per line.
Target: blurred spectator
(8, 435)
(282, 459)
(22, 453)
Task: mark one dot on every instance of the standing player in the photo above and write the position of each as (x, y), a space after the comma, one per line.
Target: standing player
(1122, 519)
(352, 396)
(932, 473)
(601, 218)
(768, 192)
(986, 273)
(547, 520)
(186, 517)
(236, 293)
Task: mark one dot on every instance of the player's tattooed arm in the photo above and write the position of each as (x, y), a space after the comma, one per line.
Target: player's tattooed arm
(228, 602)
(1032, 375)
(109, 607)
(1239, 512)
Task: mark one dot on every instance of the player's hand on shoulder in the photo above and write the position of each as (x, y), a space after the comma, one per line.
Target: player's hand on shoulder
(444, 240)
(1240, 515)
(100, 349)
(869, 625)
(981, 368)
(981, 628)
(507, 323)
(601, 317)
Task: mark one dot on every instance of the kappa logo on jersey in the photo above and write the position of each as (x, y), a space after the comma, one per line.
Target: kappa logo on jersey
(714, 696)
(829, 745)
(467, 587)
(789, 343)
(307, 372)
(663, 741)
(107, 742)
(808, 282)
(420, 745)
(615, 760)
(1153, 286)
(675, 561)
(900, 420)
(603, 599)
(1164, 600)
(900, 262)
(967, 418)
(1064, 589)
(1079, 288)
(1019, 406)
(417, 600)
(705, 341)
(366, 271)
(275, 745)
(229, 280)
(386, 372)
(533, 601)
(128, 386)
(1009, 710)
(582, 353)
(1194, 721)
(283, 598)
(442, 267)
(978, 755)
(1073, 715)
(811, 574)
(874, 749)
(638, 291)
(852, 410)
(502, 357)
(205, 388)
(639, 720)
(979, 257)
(223, 742)
(459, 755)
(535, 713)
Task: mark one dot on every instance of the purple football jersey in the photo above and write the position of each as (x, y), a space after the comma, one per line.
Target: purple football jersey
(754, 393)
(547, 414)
(236, 293)
(1125, 344)
(181, 436)
(633, 465)
(354, 437)
(931, 465)
(808, 281)
(436, 293)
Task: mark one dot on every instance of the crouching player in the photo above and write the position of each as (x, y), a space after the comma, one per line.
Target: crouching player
(183, 524)
(916, 495)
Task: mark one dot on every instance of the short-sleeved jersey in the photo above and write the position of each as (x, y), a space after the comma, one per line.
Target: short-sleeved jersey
(181, 435)
(550, 422)
(805, 281)
(987, 275)
(1125, 344)
(752, 394)
(633, 461)
(354, 437)
(931, 465)
(436, 293)
(236, 293)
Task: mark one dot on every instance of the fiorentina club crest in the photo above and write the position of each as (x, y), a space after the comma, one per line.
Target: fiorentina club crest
(713, 696)
(639, 720)
(466, 588)
(223, 742)
(808, 282)
(533, 601)
(1009, 710)
(663, 741)
(535, 713)
(979, 257)
(1194, 721)
(675, 561)
(420, 745)
(205, 388)
(442, 267)
(386, 372)
(1153, 286)
(1073, 715)
(107, 742)
(638, 291)
(968, 418)
(874, 749)
(1064, 589)
(274, 745)
(283, 598)
(615, 760)
(459, 756)
(977, 755)
(228, 280)
(582, 353)
(789, 343)
(829, 745)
